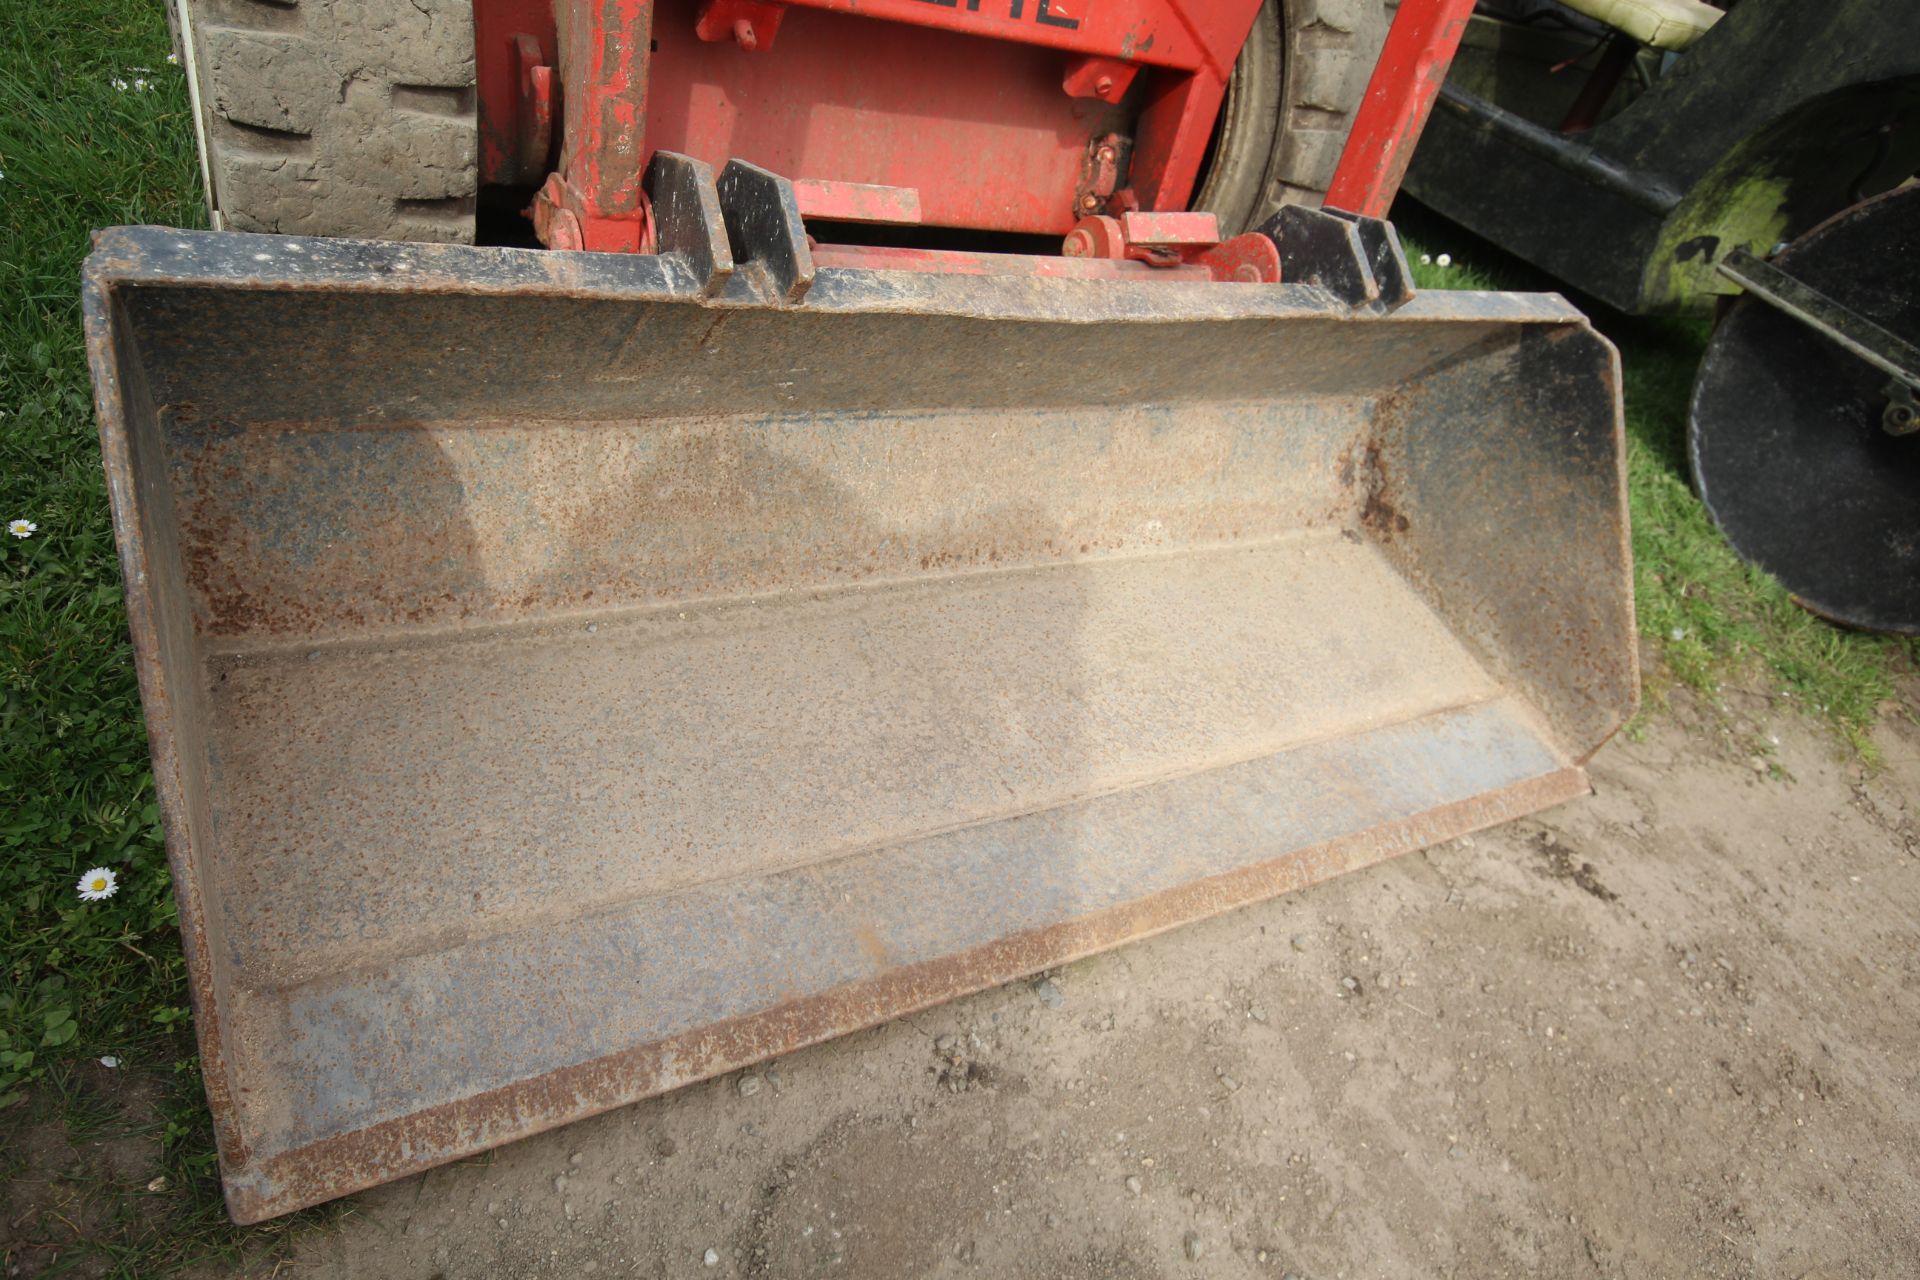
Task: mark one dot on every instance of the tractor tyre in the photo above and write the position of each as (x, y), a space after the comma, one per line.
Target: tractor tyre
(334, 117)
(1298, 81)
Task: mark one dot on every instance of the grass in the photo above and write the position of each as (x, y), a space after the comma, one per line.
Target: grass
(79, 981)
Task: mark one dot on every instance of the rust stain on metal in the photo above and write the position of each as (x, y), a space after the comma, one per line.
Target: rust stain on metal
(441, 1135)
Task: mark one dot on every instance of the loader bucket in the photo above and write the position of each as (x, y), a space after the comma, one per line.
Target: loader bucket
(570, 676)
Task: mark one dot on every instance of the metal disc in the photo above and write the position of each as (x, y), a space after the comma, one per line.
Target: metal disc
(1785, 433)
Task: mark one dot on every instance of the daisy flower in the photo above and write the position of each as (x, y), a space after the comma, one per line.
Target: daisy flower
(1426, 259)
(1444, 260)
(97, 884)
(22, 528)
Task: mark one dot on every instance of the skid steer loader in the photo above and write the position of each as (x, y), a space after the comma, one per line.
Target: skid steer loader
(571, 674)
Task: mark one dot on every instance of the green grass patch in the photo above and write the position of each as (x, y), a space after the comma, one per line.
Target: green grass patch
(94, 130)
(1714, 621)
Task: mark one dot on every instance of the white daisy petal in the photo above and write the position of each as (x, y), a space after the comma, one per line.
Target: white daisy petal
(1444, 260)
(22, 528)
(97, 884)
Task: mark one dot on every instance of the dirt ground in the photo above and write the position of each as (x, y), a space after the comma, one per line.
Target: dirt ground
(1669, 1030)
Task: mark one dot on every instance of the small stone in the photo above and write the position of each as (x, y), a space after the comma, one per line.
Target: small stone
(575, 1158)
(748, 1086)
(1260, 1256)
(1232, 1085)
(1454, 1152)
(158, 1184)
(1549, 839)
(1194, 1249)
(560, 1184)
(588, 1268)
(1258, 1014)
(1134, 1185)
(1050, 993)
(1299, 941)
(503, 1224)
(1758, 765)
(592, 628)
(711, 1257)
(666, 1147)
(943, 1045)
(1351, 983)
(1053, 1220)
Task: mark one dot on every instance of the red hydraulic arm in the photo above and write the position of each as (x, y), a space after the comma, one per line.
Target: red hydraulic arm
(1413, 64)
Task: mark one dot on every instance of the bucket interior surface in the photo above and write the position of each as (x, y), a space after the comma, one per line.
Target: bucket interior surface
(550, 714)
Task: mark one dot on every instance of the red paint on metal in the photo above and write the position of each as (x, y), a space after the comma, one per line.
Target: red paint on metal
(1176, 242)
(845, 98)
(1249, 259)
(960, 263)
(498, 27)
(1413, 64)
(1202, 37)
(979, 128)
(1170, 229)
(751, 24)
(856, 202)
(604, 58)
(533, 122)
(1170, 141)
(1107, 79)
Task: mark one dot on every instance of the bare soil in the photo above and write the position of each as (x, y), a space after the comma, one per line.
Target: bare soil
(1669, 1030)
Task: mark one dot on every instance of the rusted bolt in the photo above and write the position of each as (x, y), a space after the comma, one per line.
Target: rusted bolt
(1107, 153)
(1089, 201)
(743, 33)
(1079, 244)
(1103, 86)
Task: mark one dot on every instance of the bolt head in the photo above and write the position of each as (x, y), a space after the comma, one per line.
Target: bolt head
(1103, 86)
(1089, 201)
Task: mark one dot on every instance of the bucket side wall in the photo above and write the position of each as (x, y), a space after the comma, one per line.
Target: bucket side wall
(1499, 489)
(168, 655)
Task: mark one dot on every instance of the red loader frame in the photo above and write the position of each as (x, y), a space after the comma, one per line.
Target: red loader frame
(1024, 116)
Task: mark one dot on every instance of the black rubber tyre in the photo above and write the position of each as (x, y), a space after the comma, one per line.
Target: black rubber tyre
(335, 117)
(1298, 80)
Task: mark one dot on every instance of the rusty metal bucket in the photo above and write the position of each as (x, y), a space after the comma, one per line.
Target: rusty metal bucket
(572, 676)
